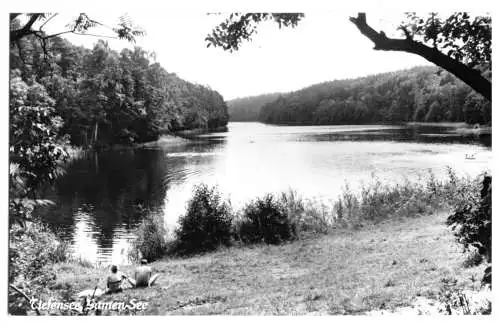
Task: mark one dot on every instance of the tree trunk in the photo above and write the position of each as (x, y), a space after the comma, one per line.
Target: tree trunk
(470, 76)
(96, 127)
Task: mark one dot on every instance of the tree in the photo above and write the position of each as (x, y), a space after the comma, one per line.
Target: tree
(458, 44)
(81, 25)
(463, 60)
(36, 151)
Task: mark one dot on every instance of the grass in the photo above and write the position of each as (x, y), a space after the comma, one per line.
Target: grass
(374, 251)
(380, 266)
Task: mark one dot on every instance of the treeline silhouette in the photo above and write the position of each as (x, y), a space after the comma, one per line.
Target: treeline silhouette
(423, 94)
(420, 94)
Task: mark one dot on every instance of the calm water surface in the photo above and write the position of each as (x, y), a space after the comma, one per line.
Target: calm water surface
(104, 196)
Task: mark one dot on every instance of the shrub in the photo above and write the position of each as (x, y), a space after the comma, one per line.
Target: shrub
(473, 259)
(207, 223)
(471, 221)
(309, 216)
(266, 220)
(150, 242)
(32, 251)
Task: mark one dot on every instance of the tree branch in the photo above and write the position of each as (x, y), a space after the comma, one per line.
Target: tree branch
(407, 33)
(32, 20)
(17, 34)
(47, 21)
(468, 75)
(24, 295)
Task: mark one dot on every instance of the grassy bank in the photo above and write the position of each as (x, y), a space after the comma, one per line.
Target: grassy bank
(379, 249)
(382, 266)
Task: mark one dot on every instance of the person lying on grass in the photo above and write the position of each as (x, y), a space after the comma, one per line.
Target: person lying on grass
(114, 281)
(143, 276)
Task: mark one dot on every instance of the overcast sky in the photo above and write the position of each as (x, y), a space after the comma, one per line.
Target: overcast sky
(324, 46)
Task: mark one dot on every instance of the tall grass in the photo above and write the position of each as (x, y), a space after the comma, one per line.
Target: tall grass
(307, 215)
(377, 201)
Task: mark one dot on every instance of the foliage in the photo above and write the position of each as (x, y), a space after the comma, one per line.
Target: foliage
(473, 259)
(240, 27)
(105, 97)
(81, 25)
(36, 150)
(471, 221)
(206, 224)
(151, 238)
(32, 250)
(419, 94)
(462, 37)
(265, 220)
(461, 44)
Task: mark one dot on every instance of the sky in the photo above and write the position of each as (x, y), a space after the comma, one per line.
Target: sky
(323, 47)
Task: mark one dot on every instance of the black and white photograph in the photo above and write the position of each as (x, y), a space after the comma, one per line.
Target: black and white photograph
(318, 162)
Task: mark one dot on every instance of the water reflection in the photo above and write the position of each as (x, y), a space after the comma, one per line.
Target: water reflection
(420, 134)
(103, 196)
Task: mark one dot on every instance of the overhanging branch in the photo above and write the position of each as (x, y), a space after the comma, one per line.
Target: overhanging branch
(468, 75)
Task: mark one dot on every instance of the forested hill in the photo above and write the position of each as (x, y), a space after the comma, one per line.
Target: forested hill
(426, 94)
(105, 97)
(248, 108)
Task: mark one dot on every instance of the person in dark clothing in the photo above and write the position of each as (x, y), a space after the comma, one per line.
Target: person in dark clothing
(114, 281)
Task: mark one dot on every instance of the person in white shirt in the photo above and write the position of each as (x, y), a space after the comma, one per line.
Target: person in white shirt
(143, 275)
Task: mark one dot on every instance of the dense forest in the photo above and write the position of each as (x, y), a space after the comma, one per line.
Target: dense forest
(423, 94)
(100, 97)
(248, 108)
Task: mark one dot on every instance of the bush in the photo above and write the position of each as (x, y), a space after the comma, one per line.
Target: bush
(150, 242)
(32, 251)
(265, 220)
(471, 221)
(207, 223)
(473, 259)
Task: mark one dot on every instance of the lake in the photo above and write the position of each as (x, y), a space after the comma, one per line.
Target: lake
(103, 196)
